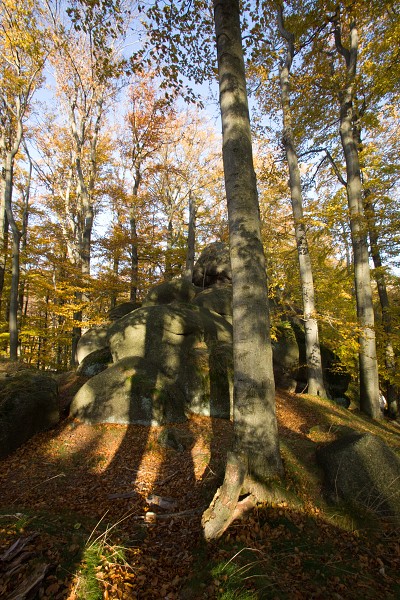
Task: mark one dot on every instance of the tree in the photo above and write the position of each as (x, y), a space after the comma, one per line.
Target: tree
(256, 448)
(86, 70)
(255, 456)
(313, 352)
(369, 381)
(148, 129)
(22, 57)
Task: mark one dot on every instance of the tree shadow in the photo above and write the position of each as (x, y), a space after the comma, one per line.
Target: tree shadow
(103, 479)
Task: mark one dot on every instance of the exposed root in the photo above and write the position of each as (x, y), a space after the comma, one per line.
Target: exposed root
(238, 495)
(222, 510)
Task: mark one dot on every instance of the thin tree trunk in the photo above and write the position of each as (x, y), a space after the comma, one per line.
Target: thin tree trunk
(255, 454)
(391, 391)
(22, 291)
(3, 242)
(313, 352)
(15, 272)
(191, 238)
(369, 381)
(115, 271)
(134, 260)
(134, 236)
(169, 271)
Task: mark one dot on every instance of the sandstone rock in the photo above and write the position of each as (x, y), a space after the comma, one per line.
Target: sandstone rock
(28, 405)
(213, 266)
(285, 351)
(217, 298)
(93, 339)
(130, 391)
(165, 330)
(169, 360)
(122, 309)
(362, 469)
(95, 362)
(176, 290)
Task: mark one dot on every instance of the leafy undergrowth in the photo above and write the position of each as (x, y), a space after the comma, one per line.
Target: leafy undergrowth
(82, 507)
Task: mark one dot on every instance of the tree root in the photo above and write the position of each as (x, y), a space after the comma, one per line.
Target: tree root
(222, 510)
(227, 506)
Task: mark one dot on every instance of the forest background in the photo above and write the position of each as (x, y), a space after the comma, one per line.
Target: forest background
(104, 174)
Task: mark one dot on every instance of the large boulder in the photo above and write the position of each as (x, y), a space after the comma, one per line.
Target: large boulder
(176, 290)
(94, 339)
(336, 378)
(130, 391)
(217, 298)
(169, 360)
(95, 362)
(362, 469)
(213, 266)
(28, 404)
(122, 309)
(285, 352)
(166, 331)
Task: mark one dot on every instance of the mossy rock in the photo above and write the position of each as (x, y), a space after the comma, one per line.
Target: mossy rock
(123, 309)
(285, 351)
(130, 391)
(176, 290)
(95, 362)
(28, 404)
(94, 339)
(217, 298)
(362, 470)
(213, 266)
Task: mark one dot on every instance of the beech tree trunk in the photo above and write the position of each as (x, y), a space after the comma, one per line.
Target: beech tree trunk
(369, 381)
(3, 243)
(391, 390)
(255, 455)
(15, 254)
(315, 378)
(134, 236)
(191, 239)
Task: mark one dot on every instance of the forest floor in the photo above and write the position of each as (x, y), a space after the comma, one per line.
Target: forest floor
(91, 512)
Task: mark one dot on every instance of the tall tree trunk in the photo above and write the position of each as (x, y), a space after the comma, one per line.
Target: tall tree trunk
(369, 381)
(22, 292)
(169, 269)
(392, 392)
(313, 352)
(115, 272)
(3, 242)
(134, 260)
(255, 455)
(134, 236)
(15, 272)
(191, 238)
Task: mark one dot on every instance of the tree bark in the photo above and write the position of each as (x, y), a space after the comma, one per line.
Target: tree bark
(391, 390)
(133, 235)
(15, 254)
(255, 455)
(3, 243)
(369, 381)
(315, 378)
(191, 238)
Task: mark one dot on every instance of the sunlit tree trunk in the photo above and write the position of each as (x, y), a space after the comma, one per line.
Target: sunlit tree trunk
(369, 381)
(313, 352)
(3, 243)
(3, 240)
(391, 390)
(255, 455)
(15, 257)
